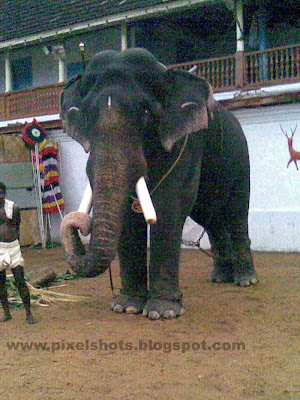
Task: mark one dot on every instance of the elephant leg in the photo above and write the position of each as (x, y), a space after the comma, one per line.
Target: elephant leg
(244, 273)
(132, 252)
(173, 202)
(165, 298)
(209, 213)
(222, 253)
(237, 224)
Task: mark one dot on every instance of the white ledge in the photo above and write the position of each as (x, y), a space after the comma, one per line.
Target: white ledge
(260, 92)
(22, 121)
(238, 94)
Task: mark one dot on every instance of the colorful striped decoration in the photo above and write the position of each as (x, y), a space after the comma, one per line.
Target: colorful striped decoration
(51, 194)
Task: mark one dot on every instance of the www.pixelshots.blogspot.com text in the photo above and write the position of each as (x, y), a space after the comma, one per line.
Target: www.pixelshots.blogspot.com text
(122, 345)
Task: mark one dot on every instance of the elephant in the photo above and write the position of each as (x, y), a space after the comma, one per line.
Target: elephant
(137, 118)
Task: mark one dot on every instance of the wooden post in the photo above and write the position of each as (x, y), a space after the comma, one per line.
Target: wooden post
(262, 18)
(123, 37)
(239, 69)
(239, 56)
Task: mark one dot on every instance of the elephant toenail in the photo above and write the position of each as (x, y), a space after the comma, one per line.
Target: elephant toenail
(153, 315)
(182, 311)
(131, 310)
(169, 314)
(118, 308)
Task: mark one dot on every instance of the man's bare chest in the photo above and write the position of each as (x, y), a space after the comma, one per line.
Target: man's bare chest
(8, 228)
(3, 217)
(7, 222)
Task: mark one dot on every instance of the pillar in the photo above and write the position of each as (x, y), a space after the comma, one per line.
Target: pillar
(8, 75)
(239, 57)
(262, 37)
(62, 76)
(239, 26)
(123, 37)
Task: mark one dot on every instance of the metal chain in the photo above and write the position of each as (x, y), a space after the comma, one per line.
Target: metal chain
(191, 243)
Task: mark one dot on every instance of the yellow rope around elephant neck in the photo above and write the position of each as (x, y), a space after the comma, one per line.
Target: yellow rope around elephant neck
(135, 205)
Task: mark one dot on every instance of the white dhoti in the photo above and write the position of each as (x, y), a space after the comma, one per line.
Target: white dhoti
(10, 255)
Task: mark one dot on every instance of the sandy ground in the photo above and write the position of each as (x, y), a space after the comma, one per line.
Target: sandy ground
(232, 343)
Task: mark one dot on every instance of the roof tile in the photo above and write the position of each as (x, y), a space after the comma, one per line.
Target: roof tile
(21, 18)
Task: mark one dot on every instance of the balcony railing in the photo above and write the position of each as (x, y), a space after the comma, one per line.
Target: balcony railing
(219, 72)
(272, 66)
(30, 102)
(247, 71)
(267, 67)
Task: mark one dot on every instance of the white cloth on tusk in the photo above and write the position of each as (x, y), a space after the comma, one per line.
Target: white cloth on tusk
(87, 200)
(145, 201)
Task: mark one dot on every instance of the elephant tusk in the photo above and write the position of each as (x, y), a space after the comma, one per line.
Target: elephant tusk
(145, 201)
(193, 69)
(87, 199)
(188, 104)
(74, 109)
(162, 65)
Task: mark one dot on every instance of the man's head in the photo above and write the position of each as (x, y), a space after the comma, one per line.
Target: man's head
(2, 192)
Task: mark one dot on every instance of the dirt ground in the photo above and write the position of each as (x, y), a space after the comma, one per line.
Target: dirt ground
(232, 342)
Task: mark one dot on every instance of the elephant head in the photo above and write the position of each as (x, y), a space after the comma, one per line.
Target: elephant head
(122, 104)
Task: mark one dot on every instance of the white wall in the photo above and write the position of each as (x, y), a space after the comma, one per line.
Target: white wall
(72, 176)
(274, 219)
(45, 67)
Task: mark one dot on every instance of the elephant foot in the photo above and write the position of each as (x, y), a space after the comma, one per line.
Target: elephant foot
(221, 275)
(128, 304)
(246, 279)
(167, 309)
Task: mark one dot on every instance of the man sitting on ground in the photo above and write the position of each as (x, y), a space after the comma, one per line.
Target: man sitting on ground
(10, 255)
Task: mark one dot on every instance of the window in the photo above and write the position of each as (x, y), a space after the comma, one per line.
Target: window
(74, 69)
(21, 71)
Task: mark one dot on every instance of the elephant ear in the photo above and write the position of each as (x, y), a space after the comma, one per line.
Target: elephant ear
(74, 122)
(186, 101)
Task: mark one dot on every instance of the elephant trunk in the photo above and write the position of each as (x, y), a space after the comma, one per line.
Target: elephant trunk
(111, 188)
(115, 164)
(110, 195)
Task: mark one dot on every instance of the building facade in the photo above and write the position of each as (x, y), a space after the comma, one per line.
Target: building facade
(248, 50)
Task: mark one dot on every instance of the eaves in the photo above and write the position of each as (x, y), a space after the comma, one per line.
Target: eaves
(104, 21)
